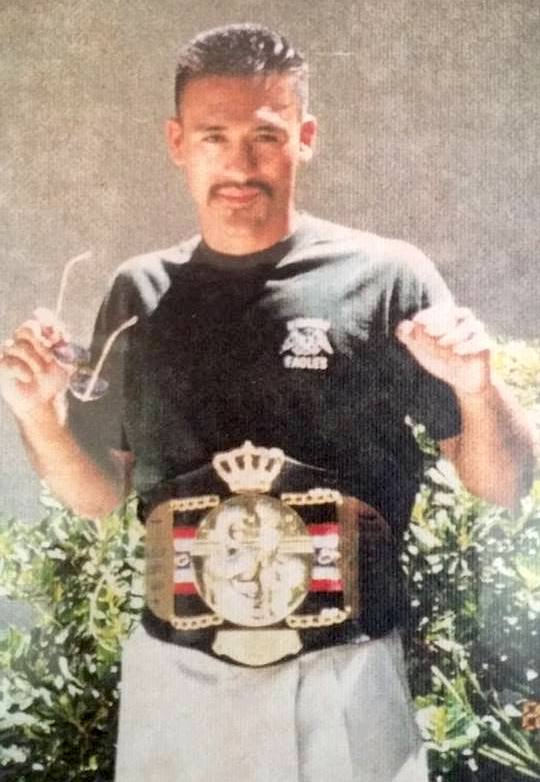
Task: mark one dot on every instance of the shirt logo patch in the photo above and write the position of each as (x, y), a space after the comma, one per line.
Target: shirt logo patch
(306, 346)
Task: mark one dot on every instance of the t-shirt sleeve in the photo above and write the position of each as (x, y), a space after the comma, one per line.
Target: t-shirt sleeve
(429, 401)
(98, 425)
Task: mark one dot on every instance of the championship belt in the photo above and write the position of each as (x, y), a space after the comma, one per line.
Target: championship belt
(253, 558)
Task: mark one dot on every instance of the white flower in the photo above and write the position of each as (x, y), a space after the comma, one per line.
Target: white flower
(14, 754)
(492, 722)
(511, 711)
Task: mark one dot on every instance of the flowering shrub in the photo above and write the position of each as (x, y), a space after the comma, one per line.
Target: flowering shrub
(474, 576)
(59, 683)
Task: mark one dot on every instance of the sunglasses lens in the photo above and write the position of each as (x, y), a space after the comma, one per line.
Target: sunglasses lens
(71, 353)
(81, 381)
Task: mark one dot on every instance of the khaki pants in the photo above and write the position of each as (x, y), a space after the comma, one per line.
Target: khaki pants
(338, 714)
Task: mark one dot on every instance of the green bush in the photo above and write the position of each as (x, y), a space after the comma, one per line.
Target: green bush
(59, 688)
(474, 576)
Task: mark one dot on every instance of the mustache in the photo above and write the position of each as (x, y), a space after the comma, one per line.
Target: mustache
(256, 183)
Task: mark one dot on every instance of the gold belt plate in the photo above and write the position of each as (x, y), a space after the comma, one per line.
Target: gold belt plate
(252, 560)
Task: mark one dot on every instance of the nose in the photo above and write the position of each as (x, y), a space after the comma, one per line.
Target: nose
(241, 158)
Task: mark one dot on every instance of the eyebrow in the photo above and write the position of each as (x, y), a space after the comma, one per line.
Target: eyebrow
(266, 126)
(209, 128)
(269, 126)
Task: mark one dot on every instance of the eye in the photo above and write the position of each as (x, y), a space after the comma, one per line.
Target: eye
(267, 137)
(213, 138)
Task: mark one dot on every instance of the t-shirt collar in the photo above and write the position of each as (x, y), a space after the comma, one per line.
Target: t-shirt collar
(268, 257)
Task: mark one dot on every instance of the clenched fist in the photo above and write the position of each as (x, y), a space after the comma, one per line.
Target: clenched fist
(451, 344)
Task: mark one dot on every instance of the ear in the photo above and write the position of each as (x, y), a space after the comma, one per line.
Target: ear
(175, 140)
(308, 134)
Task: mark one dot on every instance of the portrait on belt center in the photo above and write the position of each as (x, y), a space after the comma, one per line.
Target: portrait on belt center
(270, 501)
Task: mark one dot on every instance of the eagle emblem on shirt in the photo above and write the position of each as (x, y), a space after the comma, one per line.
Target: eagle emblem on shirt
(306, 345)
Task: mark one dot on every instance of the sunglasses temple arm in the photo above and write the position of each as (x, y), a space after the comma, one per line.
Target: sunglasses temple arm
(104, 353)
(65, 274)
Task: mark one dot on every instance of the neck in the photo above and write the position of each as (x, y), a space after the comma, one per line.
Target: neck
(244, 240)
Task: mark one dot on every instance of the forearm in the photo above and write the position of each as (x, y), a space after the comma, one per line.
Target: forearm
(70, 474)
(494, 454)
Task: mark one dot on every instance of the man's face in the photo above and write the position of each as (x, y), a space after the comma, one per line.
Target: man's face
(240, 140)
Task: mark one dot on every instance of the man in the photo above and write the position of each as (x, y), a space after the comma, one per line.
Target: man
(294, 333)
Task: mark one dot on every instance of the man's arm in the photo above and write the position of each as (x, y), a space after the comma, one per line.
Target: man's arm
(33, 384)
(69, 473)
(494, 452)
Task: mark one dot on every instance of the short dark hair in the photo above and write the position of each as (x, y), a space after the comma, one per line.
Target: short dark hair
(240, 50)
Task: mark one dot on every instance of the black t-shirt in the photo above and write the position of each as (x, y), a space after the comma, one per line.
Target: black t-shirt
(292, 347)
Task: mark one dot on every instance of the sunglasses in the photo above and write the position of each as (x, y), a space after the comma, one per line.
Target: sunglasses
(85, 382)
